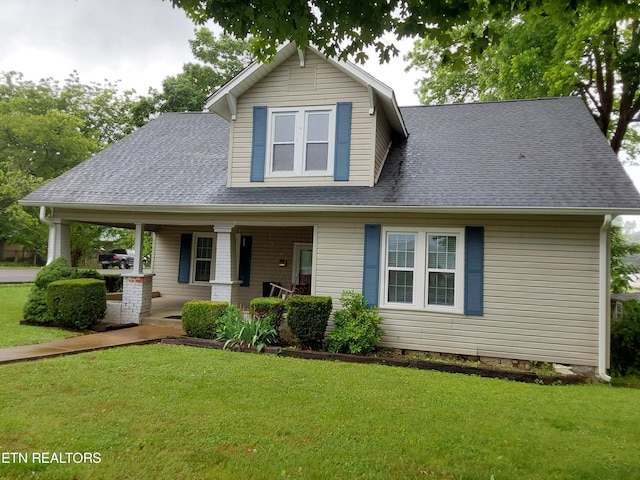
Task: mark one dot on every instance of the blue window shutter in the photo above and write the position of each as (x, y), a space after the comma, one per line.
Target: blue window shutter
(244, 266)
(185, 258)
(474, 271)
(343, 141)
(258, 144)
(371, 267)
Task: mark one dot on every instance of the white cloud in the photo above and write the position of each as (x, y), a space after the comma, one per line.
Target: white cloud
(138, 42)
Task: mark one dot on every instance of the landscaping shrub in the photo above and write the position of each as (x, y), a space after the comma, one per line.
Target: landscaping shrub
(35, 310)
(77, 303)
(357, 325)
(308, 317)
(88, 273)
(625, 341)
(200, 318)
(113, 282)
(233, 329)
(269, 309)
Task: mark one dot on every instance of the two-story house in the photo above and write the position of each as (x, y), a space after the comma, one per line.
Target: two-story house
(478, 229)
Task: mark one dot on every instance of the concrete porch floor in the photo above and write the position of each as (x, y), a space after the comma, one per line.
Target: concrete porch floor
(162, 308)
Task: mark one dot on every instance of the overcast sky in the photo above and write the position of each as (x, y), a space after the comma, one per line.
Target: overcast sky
(138, 42)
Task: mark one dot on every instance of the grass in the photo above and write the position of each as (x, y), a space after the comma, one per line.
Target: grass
(21, 265)
(12, 299)
(159, 411)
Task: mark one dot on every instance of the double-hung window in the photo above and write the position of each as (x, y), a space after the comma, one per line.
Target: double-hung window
(301, 141)
(203, 258)
(423, 268)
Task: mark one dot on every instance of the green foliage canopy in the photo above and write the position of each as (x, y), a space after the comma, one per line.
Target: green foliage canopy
(347, 27)
(592, 51)
(218, 60)
(46, 128)
(621, 269)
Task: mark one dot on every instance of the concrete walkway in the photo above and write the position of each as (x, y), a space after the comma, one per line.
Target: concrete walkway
(86, 343)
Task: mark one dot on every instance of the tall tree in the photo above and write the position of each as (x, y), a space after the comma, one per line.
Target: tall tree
(347, 27)
(593, 52)
(219, 59)
(46, 128)
(622, 266)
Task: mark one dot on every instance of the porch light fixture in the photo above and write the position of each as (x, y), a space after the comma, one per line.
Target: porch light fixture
(282, 263)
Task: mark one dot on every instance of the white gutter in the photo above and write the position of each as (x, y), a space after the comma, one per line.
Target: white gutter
(52, 233)
(603, 314)
(242, 209)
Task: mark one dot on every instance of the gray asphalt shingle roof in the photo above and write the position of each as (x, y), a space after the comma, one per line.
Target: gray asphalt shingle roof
(545, 153)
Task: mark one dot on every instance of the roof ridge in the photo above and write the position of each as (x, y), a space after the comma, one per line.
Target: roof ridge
(488, 102)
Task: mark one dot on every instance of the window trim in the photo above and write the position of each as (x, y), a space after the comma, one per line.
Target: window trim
(300, 141)
(421, 270)
(194, 258)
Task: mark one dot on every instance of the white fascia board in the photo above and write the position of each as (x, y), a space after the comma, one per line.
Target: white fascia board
(249, 77)
(275, 208)
(366, 79)
(247, 74)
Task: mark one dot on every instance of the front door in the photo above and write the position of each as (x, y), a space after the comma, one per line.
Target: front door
(302, 264)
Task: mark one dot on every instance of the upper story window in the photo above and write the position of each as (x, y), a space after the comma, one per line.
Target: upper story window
(301, 141)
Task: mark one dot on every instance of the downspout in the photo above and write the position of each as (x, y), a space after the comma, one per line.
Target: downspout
(604, 290)
(52, 233)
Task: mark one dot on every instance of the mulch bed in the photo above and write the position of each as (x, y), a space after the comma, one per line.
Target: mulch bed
(528, 377)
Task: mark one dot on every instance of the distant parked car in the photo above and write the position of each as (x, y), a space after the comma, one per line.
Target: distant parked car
(120, 257)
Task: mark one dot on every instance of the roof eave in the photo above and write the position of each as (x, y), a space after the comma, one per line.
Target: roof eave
(276, 208)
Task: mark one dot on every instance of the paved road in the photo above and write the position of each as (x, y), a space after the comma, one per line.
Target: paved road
(18, 275)
(28, 275)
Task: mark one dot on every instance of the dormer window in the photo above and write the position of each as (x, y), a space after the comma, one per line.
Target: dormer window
(301, 141)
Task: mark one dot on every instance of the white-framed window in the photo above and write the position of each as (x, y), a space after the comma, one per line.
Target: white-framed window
(203, 257)
(423, 268)
(300, 141)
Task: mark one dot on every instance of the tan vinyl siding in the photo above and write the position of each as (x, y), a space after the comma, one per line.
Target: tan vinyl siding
(269, 246)
(339, 255)
(383, 142)
(541, 276)
(289, 85)
(166, 255)
(540, 298)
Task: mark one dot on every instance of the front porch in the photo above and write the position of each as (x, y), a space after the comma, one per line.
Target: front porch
(227, 259)
(164, 312)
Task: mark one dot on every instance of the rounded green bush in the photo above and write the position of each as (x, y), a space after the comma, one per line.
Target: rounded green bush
(308, 317)
(35, 309)
(77, 303)
(200, 317)
(270, 309)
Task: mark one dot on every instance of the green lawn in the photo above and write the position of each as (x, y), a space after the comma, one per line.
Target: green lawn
(12, 299)
(170, 412)
(21, 265)
(160, 411)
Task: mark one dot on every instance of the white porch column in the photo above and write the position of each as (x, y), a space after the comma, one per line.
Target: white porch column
(61, 239)
(137, 287)
(222, 286)
(138, 247)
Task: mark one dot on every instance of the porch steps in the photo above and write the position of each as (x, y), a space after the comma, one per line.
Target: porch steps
(162, 322)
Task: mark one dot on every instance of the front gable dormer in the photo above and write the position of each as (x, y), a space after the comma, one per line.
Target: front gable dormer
(304, 119)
